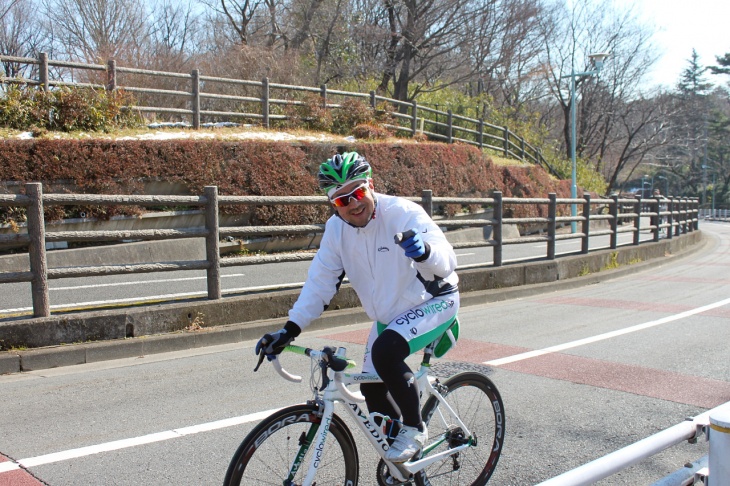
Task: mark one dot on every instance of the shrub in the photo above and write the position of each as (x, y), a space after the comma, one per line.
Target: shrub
(66, 109)
(371, 131)
(257, 168)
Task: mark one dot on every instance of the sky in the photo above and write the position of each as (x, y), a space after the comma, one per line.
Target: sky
(682, 25)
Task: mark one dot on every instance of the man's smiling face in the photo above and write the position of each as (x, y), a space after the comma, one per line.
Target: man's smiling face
(357, 213)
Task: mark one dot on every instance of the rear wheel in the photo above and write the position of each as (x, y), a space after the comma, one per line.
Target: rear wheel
(478, 404)
(269, 451)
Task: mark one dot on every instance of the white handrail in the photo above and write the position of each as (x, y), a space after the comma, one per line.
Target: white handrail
(623, 458)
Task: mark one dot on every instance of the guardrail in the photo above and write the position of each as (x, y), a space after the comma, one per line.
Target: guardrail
(715, 214)
(713, 424)
(200, 91)
(672, 216)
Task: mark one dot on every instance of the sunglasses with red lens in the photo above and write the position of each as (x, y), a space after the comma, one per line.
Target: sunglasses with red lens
(357, 194)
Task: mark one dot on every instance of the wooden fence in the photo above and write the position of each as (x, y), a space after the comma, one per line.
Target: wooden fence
(675, 216)
(201, 93)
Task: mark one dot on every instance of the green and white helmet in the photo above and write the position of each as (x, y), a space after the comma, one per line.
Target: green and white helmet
(341, 169)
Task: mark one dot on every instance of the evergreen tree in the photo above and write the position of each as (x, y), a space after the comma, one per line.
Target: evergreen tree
(692, 81)
(723, 64)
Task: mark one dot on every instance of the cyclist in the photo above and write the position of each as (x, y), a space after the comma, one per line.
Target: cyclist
(409, 289)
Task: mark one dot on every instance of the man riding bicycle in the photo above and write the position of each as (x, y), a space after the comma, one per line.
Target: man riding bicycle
(408, 287)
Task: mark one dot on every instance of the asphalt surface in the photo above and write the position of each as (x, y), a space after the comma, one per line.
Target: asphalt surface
(637, 354)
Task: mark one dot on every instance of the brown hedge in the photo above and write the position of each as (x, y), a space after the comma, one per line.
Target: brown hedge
(262, 168)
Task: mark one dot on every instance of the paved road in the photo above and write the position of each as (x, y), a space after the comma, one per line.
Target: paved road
(177, 418)
(76, 293)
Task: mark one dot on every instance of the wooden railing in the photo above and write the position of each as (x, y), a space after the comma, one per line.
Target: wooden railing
(673, 216)
(253, 102)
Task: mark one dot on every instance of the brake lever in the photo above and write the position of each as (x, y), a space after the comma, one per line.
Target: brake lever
(261, 360)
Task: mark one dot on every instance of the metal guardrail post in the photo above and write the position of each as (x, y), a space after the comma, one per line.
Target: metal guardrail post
(427, 201)
(719, 465)
(696, 223)
(372, 100)
(111, 75)
(195, 100)
(43, 70)
(614, 208)
(586, 223)
(212, 244)
(265, 101)
(37, 251)
(414, 119)
(497, 228)
(637, 221)
(552, 213)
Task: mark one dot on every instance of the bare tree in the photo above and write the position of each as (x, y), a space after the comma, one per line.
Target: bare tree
(605, 103)
(97, 30)
(6, 6)
(174, 35)
(238, 15)
(20, 35)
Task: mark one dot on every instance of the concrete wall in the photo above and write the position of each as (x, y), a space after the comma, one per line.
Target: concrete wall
(176, 317)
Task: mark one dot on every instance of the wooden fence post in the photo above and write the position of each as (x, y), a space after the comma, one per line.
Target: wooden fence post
(427, 201)
(43, 70)
(323, 95)
(196, 98)
(481, 133)
(670, 217)
(451, 126)
(551, 226)
(522, 149)
(497, 228)
(505, 137)
(265, 101)
(586, 222)
(656, 220)
(637, 221)
(414, 119)
(212, 244)
(111, 75)
(614, 221)
(372, 100)
(37, 250)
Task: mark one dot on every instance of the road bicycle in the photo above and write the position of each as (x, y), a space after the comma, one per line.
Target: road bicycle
(310, 445)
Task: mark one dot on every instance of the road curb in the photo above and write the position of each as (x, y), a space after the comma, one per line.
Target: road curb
(73, 354)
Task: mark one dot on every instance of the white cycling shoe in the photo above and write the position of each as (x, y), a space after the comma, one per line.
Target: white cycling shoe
(407, 443)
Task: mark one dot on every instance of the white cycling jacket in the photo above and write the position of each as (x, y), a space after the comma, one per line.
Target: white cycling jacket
(385, 279)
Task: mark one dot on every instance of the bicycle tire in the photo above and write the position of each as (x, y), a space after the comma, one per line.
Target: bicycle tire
(478, 403)
(268, 451)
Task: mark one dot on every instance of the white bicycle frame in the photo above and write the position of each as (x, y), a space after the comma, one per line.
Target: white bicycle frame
(337, 391)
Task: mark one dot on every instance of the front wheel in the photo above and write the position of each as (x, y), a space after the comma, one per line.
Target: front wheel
(478, 404)
(278, 451)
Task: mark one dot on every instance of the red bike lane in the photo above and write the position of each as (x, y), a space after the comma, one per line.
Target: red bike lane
(16, 477)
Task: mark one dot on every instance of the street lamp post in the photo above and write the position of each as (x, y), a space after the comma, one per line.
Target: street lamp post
(597, 60)
(666, 185)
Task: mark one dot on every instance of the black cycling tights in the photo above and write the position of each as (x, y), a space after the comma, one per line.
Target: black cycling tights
(389, 352)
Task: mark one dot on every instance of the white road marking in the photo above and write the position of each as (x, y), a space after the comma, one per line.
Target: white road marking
(142, 282)
(601, 337)
(155, 298)
(133, 442)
